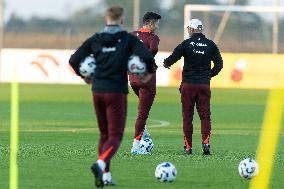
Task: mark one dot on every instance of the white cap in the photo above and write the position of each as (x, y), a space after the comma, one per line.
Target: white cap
(195, 24)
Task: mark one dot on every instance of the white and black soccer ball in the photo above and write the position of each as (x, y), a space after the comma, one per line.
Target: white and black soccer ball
(166, 172)
(146, 146)
(248, 168)
(87, 67)
(136, 66)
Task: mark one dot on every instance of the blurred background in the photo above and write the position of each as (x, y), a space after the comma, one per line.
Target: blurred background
(57, 128)
(64, 24)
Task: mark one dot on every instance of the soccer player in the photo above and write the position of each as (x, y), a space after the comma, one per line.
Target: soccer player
(198, 52)
(111, 48)
(145, 90)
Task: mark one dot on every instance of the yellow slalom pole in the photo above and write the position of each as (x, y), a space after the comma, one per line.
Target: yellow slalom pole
(268, 139)
(14, 133)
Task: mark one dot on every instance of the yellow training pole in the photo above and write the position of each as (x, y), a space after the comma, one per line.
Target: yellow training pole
(268, 139)
(14, 133)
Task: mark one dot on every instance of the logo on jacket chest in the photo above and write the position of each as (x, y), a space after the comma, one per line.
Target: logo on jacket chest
(108, 49)
(198, 44)
(198, 52)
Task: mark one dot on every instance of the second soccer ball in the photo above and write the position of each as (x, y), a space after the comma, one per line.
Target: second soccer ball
(248, 168)
(88, 66)
(146, 146)
(166, 172)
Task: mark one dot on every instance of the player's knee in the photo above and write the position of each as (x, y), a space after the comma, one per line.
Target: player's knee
(117, 136)
(204, 115)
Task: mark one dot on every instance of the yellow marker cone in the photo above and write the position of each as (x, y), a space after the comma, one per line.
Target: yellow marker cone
(14, 133)
(268, 139)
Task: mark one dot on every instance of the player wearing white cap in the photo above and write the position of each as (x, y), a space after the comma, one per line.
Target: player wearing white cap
(198, 52)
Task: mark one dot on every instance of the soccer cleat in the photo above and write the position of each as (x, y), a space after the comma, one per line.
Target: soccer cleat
(134, 150)
(98, 173)
(187, 151)
(107, 178)
(145, 134)
(135, 147)
(206, 149)
(109, 183)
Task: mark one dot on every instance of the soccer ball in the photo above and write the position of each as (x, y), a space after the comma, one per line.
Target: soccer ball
(166, 172)
(146, 146)
(88, 66)
(136, 66)
(248, 168)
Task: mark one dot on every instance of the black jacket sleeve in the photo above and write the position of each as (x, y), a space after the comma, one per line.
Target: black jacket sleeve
(175, 56)
(138, 48)
(217, 60)
(83, 51)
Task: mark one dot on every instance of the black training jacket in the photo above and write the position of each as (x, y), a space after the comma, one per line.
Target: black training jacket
(111, 51)
(198, 52)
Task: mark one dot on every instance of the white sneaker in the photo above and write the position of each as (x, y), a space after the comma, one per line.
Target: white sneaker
(145, 134)
(135, 147)
(135, 151)
(108, 179)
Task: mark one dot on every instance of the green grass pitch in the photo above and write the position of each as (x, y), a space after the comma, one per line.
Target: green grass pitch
(58, 140)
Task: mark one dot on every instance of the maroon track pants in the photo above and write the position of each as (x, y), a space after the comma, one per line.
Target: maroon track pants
(200, 95)
(146, 94)
(111, 109)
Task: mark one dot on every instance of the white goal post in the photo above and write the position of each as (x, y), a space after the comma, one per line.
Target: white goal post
(189, 8)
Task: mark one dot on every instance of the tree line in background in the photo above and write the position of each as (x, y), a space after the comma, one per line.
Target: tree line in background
(38, 32)
(89, 18)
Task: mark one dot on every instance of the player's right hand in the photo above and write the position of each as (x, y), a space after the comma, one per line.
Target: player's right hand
(145, 78)
(166, 66)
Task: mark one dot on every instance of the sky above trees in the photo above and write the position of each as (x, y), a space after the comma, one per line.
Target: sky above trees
(62, 9)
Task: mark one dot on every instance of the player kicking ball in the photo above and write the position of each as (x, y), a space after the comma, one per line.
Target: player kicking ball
(145, 89)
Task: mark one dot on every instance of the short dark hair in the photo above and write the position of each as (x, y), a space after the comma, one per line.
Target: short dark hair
(115, 12)
(150, 16)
